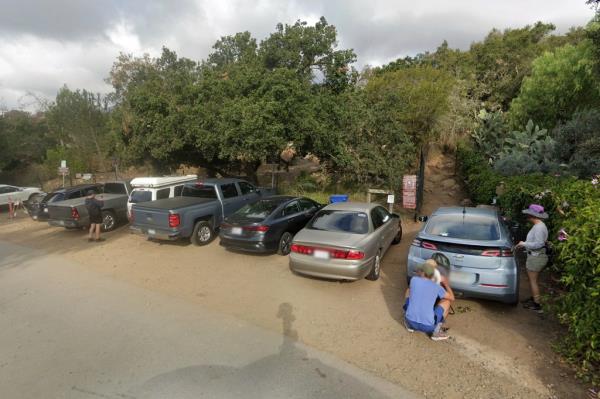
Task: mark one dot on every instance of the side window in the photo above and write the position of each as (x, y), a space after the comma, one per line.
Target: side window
(246, 188)
(376, 218)
(291, 209)
(9, 189)
(3, 190)
(75, 194)
(306, 204)
(177, 191)
(229, 190)
(383, 214)
(96, 189)
(163, 193)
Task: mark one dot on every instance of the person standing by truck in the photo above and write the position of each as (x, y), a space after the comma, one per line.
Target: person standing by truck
(94, 208)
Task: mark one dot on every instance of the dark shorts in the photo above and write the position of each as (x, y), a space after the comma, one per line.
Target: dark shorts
(438, 317)
(96, 219)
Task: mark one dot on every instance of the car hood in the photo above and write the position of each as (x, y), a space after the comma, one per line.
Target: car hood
(329, 238)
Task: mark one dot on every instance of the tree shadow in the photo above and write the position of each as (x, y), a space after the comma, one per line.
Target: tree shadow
(290, 373)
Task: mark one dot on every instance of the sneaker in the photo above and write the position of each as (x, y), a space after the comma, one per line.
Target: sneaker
(100, 239)
(527, 301)
(536, 307)
(90, 240)
(439, 336)
(410, 330)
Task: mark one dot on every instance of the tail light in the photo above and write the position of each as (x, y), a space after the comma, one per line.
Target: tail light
(74, 214)
(498, 252)
(260, 229)
(174, 220)
(334, 253)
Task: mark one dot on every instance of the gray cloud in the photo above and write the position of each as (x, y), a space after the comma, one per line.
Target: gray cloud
(45, 44)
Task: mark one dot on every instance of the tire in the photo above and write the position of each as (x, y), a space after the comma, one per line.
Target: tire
(109, 221)
(376, 269)
(202, 234)
(285, 244)
(398, 237)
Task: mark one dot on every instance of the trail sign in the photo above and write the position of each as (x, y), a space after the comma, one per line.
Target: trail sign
(409, 191)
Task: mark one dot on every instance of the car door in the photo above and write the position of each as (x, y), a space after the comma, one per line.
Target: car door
(293, 217)
(75, 194)
(232, 200)
(249, 192)
(4, 195)
(388, 225)
(308, 208)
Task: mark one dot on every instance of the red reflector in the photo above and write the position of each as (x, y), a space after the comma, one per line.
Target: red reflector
(174, 220)
(75, 213)
(428, 245)
(302, 249)
(333, 253)
(261, 229)
(494, 285)
(355, 255)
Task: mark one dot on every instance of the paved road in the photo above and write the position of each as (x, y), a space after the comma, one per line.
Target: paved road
(66, 332)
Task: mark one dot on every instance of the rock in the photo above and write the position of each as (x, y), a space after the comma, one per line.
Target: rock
(449, 184)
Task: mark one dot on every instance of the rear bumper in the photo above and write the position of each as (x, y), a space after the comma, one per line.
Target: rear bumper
(334, 269)
(70, 224)
(159, 234)
(248, 245)
(493, 284)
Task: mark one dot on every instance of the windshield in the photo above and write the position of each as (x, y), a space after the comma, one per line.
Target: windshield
(258, 210)
(114, 188)
(467, 227)
(342, 221)
(199, 192)
(140, 196)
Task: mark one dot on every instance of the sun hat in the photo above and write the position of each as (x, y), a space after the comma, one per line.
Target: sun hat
(536, 210)
(427, 267)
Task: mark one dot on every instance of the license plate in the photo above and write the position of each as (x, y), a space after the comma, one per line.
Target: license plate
(151, 232)
(462, 277)
(321, 254)
(46, 210)
(62, 222)
(35, 218)
(236, 230)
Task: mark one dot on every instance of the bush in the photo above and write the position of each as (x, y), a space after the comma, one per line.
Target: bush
(578, 143)
(573, 205)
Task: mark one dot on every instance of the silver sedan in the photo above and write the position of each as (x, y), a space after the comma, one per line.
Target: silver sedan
(345, 241)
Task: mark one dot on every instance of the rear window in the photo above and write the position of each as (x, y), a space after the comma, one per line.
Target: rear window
(468, 227)
(199, 192)
(258, 210)
(114, 188)
(140, 196)
(342, 221)
(54, 197)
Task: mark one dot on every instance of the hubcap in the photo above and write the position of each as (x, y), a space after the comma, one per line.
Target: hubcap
(204, 233)
(108, 222)
(285, 243)
(377, 264)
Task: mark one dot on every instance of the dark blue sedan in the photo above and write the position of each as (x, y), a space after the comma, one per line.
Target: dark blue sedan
(267, 225)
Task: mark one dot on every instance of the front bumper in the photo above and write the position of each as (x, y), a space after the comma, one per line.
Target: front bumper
(159, 234)
(334, 269)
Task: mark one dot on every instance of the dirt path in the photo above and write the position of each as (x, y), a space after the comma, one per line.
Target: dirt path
(496, 351)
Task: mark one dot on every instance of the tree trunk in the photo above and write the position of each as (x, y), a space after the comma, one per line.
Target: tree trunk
(250, 169)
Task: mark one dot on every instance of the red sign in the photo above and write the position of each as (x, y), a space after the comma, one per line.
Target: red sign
(409, 191)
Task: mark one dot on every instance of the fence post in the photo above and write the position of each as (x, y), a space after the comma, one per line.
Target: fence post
(420, 183)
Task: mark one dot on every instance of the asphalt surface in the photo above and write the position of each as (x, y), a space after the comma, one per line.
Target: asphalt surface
(66, 332)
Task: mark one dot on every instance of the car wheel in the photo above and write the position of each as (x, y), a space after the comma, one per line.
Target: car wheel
(202, 234)
(285, 244)
(109, 221)
(398, 237)
(376, 269)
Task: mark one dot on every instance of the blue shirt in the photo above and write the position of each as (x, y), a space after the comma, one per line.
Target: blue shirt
(423, 295)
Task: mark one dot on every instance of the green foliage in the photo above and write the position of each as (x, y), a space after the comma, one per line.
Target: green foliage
(561, 82)
(490, 134)
(23, 138)
(578, 143)
(573, 206)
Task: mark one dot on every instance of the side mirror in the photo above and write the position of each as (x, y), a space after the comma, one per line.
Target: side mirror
(423, 219)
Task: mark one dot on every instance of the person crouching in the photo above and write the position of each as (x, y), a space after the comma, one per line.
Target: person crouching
(427, 303)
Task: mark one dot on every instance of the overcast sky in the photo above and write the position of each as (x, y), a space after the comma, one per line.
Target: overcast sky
(47, 43)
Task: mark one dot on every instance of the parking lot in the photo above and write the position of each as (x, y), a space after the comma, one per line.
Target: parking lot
(495, 351)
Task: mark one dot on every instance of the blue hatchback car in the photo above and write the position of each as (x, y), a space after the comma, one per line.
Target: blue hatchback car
(478, 248)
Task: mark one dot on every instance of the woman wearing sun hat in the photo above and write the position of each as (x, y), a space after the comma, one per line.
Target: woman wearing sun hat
(535, 245)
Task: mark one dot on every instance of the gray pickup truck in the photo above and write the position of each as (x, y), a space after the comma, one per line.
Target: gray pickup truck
(197, 213)
(72, 214)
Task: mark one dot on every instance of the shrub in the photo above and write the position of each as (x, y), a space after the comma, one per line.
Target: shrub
(578, 143)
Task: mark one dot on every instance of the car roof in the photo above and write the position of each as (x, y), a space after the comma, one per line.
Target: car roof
(75, 187)
(219, 181)
(279, 198)
(467, 210)
(352, 206)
